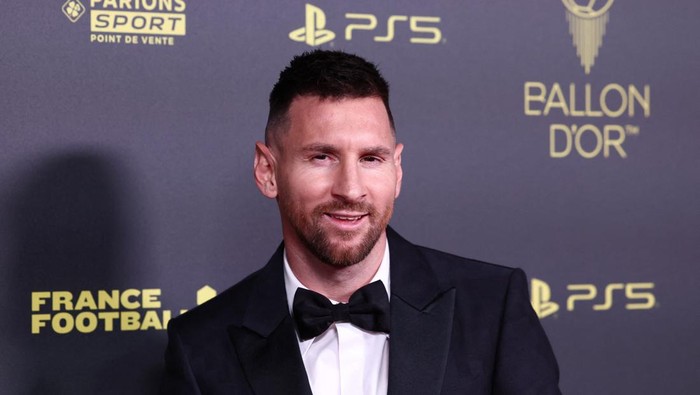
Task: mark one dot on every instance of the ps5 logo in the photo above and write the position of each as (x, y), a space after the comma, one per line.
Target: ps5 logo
(636, 296)
(314, 31)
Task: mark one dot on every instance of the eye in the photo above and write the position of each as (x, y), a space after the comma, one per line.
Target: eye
(372, 159)
(321, 159)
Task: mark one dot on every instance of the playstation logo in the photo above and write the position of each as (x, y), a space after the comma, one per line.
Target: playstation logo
(541, 296)
(314, 31)
(587, 27)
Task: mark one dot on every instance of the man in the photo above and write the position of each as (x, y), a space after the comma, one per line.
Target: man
(386, 316)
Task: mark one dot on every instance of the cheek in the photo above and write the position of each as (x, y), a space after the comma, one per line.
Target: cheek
(304, 189)
(384, 187)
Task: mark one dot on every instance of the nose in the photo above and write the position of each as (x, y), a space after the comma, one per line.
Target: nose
(347, 183)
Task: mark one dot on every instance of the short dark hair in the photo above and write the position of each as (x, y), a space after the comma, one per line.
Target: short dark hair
(326, 74)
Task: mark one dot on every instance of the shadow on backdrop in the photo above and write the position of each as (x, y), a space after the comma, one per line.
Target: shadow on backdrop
(69, 228)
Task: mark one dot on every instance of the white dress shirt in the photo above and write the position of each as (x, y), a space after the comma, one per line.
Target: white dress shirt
(345, 360)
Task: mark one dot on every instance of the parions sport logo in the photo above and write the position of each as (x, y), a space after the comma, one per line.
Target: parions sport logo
(130, 22)
(599, 118)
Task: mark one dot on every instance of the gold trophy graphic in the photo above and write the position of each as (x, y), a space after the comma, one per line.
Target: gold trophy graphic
(587, 27)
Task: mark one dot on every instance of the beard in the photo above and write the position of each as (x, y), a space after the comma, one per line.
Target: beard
(341, 252)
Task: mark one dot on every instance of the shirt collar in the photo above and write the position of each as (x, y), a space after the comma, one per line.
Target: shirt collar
(291, 282)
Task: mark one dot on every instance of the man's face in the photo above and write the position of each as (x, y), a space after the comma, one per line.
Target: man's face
(338, 172)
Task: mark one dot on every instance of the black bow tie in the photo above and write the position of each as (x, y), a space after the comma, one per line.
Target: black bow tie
(368, 308)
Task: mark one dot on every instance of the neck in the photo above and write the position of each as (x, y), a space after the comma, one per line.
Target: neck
(334, 282)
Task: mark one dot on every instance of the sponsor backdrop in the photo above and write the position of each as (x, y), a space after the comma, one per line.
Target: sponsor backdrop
(558, 136)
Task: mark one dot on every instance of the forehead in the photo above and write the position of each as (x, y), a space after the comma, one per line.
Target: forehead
(312, 117)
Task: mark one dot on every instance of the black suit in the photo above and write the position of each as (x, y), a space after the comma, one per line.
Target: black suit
(458, 326)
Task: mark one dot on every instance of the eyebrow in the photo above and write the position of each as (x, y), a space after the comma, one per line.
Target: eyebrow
(378, 150)
(319, 148)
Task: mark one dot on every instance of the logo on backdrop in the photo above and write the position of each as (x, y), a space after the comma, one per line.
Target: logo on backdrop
(632, 296)
(587, 28)
(314, 31)
(124, 310)
(140, 22)
(73, 10)
(602, 114)
(541, 296)
(422, 29)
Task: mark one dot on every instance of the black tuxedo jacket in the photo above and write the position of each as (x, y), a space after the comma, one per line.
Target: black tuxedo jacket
(458, 326)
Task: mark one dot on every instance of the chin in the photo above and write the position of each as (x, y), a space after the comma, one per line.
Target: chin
(345, 253)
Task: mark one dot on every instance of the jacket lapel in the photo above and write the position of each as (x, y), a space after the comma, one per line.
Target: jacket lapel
(421, 322)
(266, 342)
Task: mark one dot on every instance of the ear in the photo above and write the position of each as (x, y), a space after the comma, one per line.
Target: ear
(399, 170)
(264, 170)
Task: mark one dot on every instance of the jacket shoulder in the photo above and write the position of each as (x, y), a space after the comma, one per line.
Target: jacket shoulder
(223, 310)
(444, 262)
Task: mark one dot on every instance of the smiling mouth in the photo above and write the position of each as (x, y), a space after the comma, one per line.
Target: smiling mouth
(349, 218)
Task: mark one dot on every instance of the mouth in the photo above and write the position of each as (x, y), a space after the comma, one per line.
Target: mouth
(346, 217)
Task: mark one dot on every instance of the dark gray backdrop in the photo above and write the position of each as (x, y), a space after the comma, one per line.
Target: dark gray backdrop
(129, 166)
